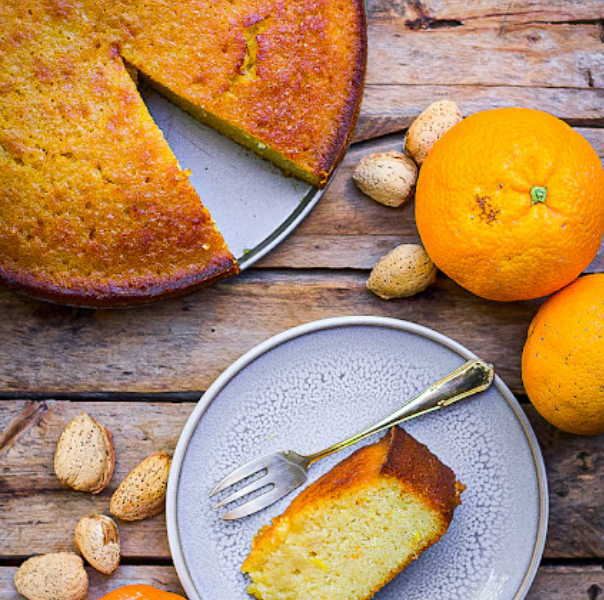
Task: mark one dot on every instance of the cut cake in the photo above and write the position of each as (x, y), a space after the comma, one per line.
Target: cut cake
(350, 532)
(94, 208)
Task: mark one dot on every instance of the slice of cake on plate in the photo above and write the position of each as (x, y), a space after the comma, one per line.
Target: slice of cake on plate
(350, 532)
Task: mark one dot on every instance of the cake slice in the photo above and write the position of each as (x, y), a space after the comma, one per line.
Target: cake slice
(349, 533)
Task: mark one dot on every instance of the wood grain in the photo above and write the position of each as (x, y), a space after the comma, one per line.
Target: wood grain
(390, 108)
(484, 54)
(38, 515)
(512, 11)
(575, 473)
(184, 344)
(529, 54)
(568, 582)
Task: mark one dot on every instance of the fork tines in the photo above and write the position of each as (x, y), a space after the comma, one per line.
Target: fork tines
(279, 478)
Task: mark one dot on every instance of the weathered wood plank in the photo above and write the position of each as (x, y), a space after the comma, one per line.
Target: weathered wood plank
(390, 108)
(185, 343)
(551, 583)
(37, 515)
(512, 11)
(487, 53)
(566, 582)
(164, 578)
(362, 252)
(575, 473)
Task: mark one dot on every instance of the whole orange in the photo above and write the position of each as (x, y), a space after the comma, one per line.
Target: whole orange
(563, 358)
(510, 204)
(140, 592)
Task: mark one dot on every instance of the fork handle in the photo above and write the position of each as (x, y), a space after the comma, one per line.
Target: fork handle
(472, 377)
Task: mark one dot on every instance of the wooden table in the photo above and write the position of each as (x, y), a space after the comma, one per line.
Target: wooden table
(141, 371)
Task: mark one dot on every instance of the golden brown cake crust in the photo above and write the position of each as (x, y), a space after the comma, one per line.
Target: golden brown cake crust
(434, 482)
(288, 74)
(94, 209)
(83, 294)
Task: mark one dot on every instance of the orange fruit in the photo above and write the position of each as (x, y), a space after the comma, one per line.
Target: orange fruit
(563, 358)
(140, 592)
(510, 204)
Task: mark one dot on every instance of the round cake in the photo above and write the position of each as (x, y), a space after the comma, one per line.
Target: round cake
(94, 209)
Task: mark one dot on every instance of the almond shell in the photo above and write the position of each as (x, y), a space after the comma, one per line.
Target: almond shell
(98, 540)
(143, 493)
(429, 127)
(403, 272)
(59, 576)
(85, 457)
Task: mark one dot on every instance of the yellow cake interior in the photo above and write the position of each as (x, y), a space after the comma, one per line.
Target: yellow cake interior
(351, 531)
(339, 552)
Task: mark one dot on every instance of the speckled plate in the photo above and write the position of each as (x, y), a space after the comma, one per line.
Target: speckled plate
(316, 384)
(254, 204)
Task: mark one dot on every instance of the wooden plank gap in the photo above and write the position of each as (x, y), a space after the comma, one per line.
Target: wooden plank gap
(12, 561)
(594, 21)
(427, 22)
(573, 562)
(43, 397)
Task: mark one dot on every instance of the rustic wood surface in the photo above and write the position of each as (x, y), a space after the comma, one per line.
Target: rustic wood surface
(140, 371)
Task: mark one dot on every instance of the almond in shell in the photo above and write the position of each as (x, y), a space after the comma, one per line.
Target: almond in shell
(143, 493)
(387, 177)
(403, 272)
(98, 541)
(58, 576)
(429, 127)
(84, 457)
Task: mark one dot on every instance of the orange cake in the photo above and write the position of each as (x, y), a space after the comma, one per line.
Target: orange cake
(349, 533)
(94, 208)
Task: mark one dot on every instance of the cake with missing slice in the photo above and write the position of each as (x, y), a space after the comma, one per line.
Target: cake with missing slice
(350, 532)
(94, 207)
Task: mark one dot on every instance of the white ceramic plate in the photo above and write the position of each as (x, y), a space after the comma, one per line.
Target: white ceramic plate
(316, 384)
(254, 204)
